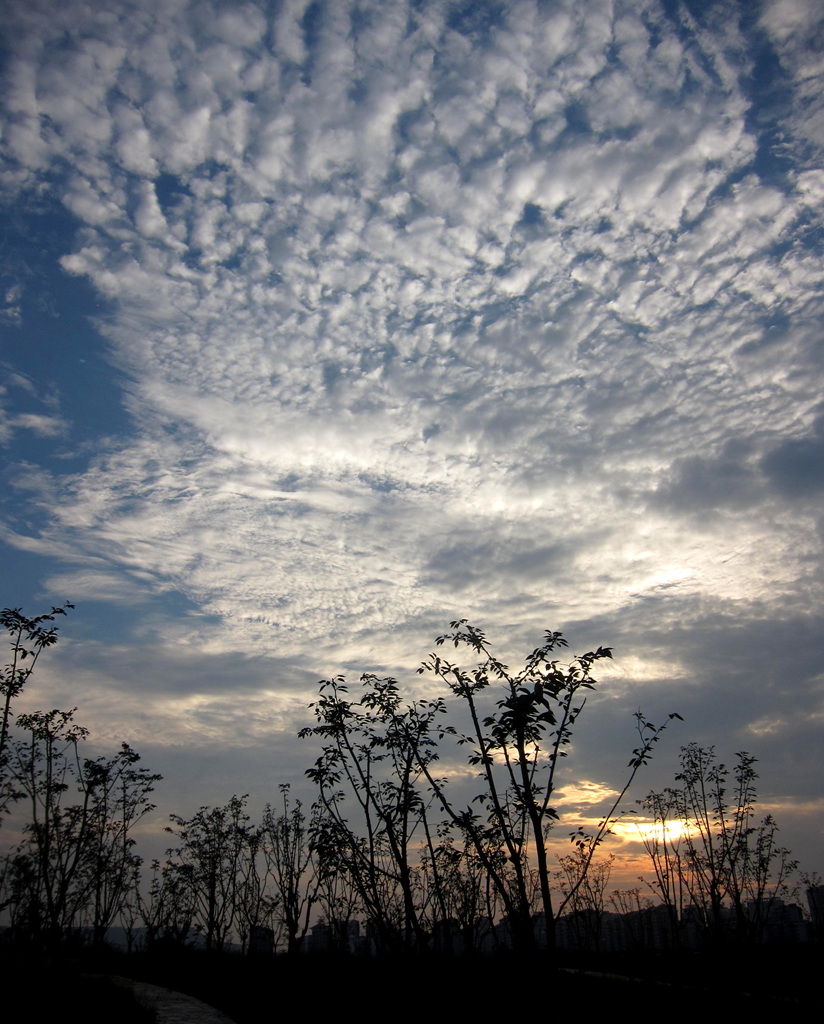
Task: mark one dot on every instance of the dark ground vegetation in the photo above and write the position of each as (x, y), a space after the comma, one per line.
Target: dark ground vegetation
(768, 980)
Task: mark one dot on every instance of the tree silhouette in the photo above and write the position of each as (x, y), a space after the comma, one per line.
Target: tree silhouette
(75, 864)
(29, 638)
(212, 864)
(382, 754)
(291, 866)
(722, 867)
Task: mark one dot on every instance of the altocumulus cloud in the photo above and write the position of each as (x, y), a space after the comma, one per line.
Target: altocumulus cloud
(415, 311)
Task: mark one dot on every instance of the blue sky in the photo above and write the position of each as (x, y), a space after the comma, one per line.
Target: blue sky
(324, 324)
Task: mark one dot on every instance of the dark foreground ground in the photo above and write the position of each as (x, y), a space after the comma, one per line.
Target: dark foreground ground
(766, 982)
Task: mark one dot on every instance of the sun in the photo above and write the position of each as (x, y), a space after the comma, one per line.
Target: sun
(670, 832)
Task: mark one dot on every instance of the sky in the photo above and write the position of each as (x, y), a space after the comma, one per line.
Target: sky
(324, 324)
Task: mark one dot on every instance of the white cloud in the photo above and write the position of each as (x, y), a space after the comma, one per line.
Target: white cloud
(44, 426)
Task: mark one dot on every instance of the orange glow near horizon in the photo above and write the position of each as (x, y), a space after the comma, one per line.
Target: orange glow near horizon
(644, 831)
